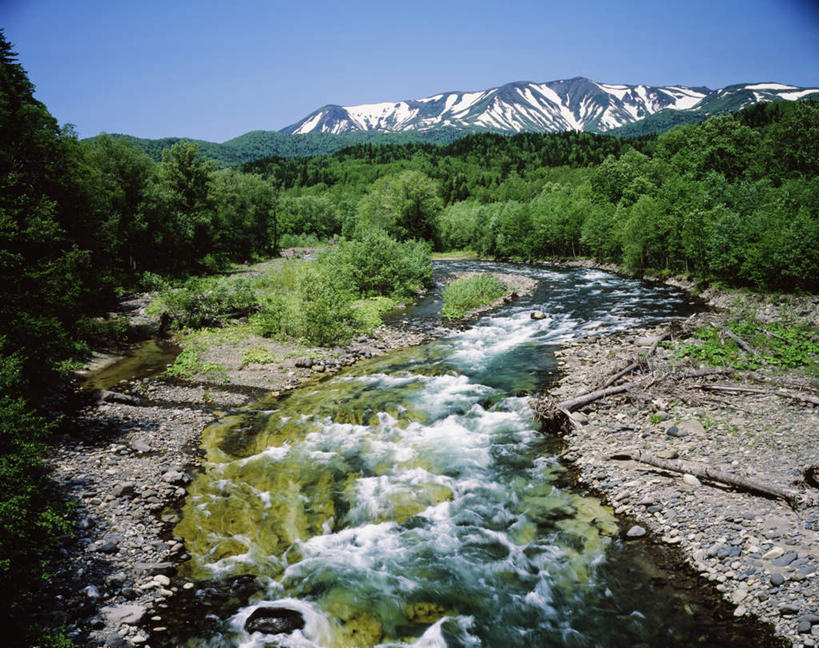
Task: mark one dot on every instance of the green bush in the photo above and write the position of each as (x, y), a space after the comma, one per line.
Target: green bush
(300, 240)
(325, 315)
(367, 312)
(778, 345)
(377, 264)
(463, 295)
(32, 516)
(272, 318)
(200, 301)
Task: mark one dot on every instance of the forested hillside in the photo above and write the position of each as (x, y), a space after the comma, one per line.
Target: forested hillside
(733, 198)
(259, 144)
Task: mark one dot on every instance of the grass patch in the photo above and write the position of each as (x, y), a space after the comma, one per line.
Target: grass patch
(189, 364)
(463, 295)
(464, 253)
(367, 312)
(258, 355)
(786, 346)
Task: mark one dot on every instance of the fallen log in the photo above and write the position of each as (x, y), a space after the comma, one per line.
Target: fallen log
(556, 416)
(704, 471)
(640, 361)
(585, 399)
(806, 398)
(742, 343)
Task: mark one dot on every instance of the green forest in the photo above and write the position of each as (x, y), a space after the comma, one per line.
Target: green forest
(733, 199)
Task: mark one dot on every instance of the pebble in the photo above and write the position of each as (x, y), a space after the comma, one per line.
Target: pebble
(777, 579)
(785, 559)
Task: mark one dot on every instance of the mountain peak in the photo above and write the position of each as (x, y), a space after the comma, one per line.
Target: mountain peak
(577, 103)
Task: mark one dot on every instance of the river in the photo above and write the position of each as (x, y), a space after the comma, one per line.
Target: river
(412, 499)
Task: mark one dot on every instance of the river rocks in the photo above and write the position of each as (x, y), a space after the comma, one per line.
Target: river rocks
(773, 554)
(116, 397)
(140, 446)
(124, 490)
(274, 620)
(734, 539)
(691, 426)
(174, 477)
(537, 315)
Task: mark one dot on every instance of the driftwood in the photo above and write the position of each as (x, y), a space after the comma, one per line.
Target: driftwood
(556, 417)
(704, 471)
(807, 398)
(639, 362)
(774, 335)
(742, 343)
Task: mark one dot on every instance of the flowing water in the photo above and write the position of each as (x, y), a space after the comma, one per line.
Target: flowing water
(412, 499)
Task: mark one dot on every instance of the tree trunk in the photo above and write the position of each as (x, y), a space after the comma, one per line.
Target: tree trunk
(704, 471)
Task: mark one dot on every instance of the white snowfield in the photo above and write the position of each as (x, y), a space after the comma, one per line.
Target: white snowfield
(576, 104)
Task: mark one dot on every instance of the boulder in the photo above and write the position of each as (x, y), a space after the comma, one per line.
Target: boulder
(174, 477)
(127, 614)
(538, 315)
(274, 620)
(635, 532)
(691, 426)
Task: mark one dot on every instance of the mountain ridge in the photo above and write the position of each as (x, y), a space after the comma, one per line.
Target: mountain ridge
(577, 103)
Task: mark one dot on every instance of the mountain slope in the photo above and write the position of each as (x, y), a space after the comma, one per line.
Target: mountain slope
(572, 104)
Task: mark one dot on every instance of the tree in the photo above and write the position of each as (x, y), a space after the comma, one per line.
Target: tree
(243, 214)
(180, 208)
(405, 205)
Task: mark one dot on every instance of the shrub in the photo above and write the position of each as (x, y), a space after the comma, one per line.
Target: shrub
(367, 312)
(463, 295)
(377, 264)
(200, 301)
(324, 307)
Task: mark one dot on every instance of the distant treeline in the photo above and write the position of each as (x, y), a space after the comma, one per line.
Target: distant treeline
(259, 144)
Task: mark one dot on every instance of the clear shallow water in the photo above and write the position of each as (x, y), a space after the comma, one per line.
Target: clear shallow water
(412, 500)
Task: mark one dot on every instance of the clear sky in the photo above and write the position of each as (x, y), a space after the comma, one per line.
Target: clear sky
(213, 70)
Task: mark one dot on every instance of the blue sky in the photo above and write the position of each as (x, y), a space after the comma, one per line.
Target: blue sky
(216, 69)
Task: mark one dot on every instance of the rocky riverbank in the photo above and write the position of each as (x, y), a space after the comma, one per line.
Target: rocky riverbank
(761, 553)
(129, 453)
(125, 460)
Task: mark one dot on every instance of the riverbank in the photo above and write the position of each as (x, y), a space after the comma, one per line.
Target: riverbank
(126, 460)
(128, 455)
(762, 554)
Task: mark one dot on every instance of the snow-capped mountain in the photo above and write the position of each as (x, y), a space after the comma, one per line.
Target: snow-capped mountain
(572, 104)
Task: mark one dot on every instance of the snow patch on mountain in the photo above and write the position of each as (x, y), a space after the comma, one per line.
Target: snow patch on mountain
(570, 104)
